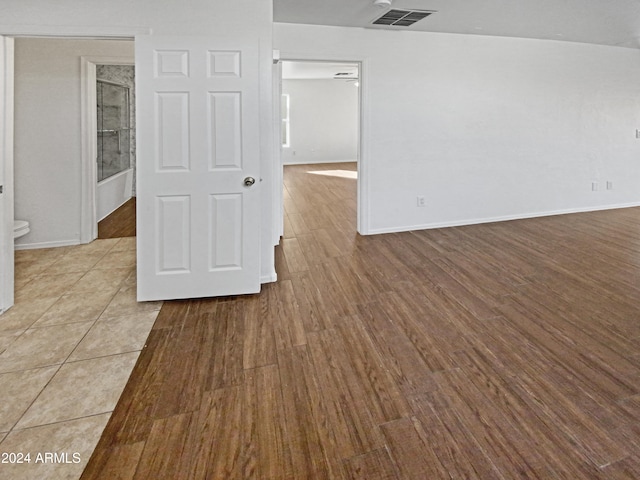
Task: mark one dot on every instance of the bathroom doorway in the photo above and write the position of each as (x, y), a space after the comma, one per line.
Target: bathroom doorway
(53, 177)
(109, 138)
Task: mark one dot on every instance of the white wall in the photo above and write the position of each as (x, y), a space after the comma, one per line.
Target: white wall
(323, 121)
(48, 153)
(485, 127)
(232, 18)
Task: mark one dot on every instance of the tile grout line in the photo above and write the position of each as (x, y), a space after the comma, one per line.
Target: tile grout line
(13, 428)
(35, 398)
(66, 361)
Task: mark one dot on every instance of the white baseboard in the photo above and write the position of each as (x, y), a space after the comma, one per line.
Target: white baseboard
(505, 218)
(58, 243)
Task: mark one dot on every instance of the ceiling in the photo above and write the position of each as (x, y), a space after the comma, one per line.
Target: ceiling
(602, 22)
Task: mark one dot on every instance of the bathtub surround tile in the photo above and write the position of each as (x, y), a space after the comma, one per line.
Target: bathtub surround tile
(40, 347)
(114, 336)
(95, 385)
(25, 313)
(17, 391)
(78, 437)
(78, 307)
(124, 75)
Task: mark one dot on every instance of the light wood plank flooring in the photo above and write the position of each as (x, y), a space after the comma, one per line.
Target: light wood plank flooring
(497, 351)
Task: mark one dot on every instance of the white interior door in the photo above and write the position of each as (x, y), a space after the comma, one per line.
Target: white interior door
(6, 173)
(198, 212)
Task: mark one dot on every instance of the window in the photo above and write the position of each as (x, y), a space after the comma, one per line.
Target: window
(284, 112)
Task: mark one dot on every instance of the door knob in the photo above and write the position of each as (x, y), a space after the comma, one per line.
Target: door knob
(249, 181)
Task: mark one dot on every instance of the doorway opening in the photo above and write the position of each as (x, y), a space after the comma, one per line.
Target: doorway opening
(50, 164)
(115, 137)
(63, 295)
(320, 116)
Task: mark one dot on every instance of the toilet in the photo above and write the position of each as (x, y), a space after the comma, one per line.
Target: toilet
(20, 228)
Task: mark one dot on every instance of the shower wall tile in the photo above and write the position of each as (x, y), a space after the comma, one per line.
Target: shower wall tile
(125, 75)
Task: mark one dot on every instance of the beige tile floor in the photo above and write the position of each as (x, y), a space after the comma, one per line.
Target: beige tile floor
(67, 348)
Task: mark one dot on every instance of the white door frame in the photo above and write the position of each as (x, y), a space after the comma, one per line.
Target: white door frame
(278, 200)
(7, 32)
(6, 173)
(88, 219)
(362, 222)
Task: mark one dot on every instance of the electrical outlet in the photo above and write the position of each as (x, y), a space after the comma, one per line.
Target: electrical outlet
(637, 133)
(421, 201)
(594, 186)
(609, 185)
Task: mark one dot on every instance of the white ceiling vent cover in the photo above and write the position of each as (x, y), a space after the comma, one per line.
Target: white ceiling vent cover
(402, 18)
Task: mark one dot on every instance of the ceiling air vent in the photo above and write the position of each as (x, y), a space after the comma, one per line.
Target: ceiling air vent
(401, 18)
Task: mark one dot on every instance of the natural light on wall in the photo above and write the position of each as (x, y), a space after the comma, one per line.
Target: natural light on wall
(336, 173)
(286, 131)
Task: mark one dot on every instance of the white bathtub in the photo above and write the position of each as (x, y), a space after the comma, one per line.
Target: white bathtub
(113, 192)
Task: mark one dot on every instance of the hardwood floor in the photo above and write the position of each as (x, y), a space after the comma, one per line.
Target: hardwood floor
(496, 351)
(120, 223)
